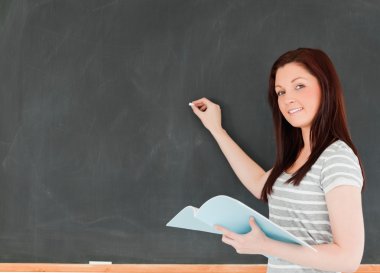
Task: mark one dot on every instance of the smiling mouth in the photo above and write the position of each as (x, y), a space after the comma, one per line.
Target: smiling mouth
(293, 111)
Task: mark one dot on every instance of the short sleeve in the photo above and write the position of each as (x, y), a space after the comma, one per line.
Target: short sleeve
(341, 167)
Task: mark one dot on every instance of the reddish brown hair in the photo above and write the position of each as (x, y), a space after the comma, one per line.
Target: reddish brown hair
(328, 125)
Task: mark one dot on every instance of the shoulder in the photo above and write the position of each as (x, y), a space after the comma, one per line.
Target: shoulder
(339, 151)
(340, 166)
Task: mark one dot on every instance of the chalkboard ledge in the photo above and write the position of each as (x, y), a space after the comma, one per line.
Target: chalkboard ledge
(150, 268)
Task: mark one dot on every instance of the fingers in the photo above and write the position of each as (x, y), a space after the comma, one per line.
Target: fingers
(209, 113)
(252, 222)
(228, 240)
(196, 110)
(202, 104)
(199, 106)
(201, 101)
(227, 232)
(243, 244)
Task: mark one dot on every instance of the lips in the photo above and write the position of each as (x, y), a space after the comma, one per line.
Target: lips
(295, 110)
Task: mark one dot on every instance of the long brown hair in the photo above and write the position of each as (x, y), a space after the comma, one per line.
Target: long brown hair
(328, 125)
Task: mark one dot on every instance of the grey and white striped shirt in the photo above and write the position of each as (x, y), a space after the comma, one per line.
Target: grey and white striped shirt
(302, 209)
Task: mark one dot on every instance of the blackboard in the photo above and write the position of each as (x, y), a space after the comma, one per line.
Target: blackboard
(98, 146)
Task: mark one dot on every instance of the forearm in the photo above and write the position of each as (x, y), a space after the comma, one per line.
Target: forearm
(330, 257)
(247, 170)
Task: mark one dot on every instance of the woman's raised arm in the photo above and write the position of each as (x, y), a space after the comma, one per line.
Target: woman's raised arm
(248, 171)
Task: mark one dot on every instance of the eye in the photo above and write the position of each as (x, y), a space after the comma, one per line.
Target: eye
(299, 86)
(280, 93)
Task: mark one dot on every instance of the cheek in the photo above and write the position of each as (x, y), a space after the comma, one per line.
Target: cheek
(315, 100)
(281, 106)
(315, 95)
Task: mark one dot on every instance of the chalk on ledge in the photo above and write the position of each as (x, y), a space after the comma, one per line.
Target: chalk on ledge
(99, 262)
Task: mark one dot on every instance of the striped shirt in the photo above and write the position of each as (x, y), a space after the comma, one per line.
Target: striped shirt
(302, 209)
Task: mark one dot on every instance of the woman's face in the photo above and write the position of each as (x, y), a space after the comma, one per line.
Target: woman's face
(298, 93)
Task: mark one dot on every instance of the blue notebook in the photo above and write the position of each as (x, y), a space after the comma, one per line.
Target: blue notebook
(231, 214)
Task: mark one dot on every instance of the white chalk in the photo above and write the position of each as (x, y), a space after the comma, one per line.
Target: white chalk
(191, 104)
(99, 262)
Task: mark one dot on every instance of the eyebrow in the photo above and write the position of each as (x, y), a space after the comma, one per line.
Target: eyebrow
(292, 81)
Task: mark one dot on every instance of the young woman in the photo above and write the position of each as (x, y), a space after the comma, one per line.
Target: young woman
(314, 188)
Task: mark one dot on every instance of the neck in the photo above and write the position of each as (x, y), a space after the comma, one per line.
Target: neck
(306, 139)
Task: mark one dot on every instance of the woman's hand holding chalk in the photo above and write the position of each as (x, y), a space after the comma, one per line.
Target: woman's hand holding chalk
(200, 105)
(209, 113)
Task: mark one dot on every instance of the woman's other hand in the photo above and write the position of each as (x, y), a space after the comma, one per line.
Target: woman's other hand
(253, 242)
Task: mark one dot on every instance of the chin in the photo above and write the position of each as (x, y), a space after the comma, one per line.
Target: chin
(299, 124)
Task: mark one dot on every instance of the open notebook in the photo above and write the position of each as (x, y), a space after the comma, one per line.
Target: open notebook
(231, 214)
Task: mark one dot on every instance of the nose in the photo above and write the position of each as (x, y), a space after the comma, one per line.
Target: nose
(289, 101)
